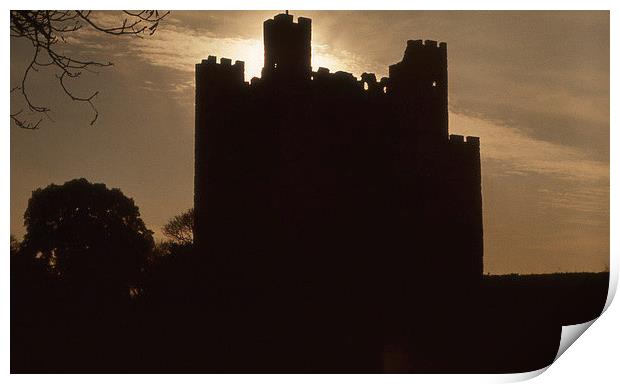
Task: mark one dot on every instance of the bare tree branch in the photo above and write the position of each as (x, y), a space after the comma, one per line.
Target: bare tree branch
(44, 29)
(180, 228)
(21, 123)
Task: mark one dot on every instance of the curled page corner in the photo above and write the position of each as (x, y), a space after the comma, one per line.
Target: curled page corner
(517, 377)
(570, 333)
(611, 288)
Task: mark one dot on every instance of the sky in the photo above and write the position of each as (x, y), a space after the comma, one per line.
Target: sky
(533, 85)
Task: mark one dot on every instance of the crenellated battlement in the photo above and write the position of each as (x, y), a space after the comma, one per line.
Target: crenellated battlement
(222, 73)
(425, 50)
(428, 44)
(473, 140)
(225, 62)
(467, 140)
(288, 19)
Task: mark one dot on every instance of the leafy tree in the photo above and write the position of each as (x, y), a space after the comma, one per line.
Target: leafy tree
(14, 245)
(180, 229)
(88, 235)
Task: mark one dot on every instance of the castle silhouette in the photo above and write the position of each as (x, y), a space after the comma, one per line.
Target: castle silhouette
(317, 193)
(338, 229)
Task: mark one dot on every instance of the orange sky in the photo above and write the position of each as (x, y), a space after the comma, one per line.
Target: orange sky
(533, 85)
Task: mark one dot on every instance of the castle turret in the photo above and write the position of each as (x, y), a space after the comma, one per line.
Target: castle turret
(218, 87)
(418, 87)
(287, 48)
(464, 206)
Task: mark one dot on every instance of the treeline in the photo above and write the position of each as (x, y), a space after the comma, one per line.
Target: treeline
(572, 298)
(91, 291)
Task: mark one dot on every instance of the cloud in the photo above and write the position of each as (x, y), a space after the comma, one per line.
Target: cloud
(190, 46)
(524, 154)
(561, 181)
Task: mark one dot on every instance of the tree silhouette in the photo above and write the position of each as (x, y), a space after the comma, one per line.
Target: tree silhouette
(45, 29)
(180, 229)
(88, 235)
(14, 244)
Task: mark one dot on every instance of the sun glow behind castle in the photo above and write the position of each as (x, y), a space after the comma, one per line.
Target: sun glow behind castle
(250, 51)
(192, 45)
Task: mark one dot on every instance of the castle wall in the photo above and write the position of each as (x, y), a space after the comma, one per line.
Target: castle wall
(319, 186)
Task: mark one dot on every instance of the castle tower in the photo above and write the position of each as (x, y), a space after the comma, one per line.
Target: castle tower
(418, 88)
(218, 88)
(287, 48)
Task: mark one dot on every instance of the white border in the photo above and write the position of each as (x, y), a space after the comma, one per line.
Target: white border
(593, 359)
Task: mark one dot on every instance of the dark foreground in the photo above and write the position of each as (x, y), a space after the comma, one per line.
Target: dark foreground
(509, 324)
